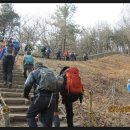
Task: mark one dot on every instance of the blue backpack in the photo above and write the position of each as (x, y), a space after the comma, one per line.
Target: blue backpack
(28, 60)
(128, 87)
(16, 46)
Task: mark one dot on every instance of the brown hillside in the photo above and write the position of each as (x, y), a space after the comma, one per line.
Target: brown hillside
(100, 75)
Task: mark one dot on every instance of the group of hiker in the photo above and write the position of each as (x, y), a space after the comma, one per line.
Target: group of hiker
(46, 51)
(47, 86)
(66, 55)
(8, 54)
(59, 55)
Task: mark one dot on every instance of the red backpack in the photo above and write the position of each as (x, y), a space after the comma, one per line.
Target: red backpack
(73, 81)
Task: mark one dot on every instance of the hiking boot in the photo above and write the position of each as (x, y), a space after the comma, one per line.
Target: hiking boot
(9, 85)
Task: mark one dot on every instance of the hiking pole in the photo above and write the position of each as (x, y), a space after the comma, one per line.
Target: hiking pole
(113, 93)
(90, 108)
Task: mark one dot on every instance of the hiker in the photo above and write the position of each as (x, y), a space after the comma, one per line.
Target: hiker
(5, 41)
(75, 56)
(58, 54)
(70, 95)
(48, 51)
(7, 57)
(66, 55)
(43, 100)
(72, 56)
(85, 56)
(28, 63)
(17, 48)
(28, 47)
(43, 51)
(128, 86)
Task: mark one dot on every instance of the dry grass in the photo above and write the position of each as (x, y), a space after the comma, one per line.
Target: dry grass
(100, 75)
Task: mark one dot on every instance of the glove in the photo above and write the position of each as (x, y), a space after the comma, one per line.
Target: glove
(81, 98)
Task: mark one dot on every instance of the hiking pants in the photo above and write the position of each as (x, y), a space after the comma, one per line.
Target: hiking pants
(67, 58)
(8, 63)
(69, 113)
(48, 55)
(27, 68)
(44, 54)
(56, 119)
(58, 56)
(41, 107)
(68, 102)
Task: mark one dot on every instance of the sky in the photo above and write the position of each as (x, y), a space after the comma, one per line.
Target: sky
(87, 14)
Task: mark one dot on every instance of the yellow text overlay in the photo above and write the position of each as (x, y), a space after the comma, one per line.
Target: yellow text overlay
(119, 109)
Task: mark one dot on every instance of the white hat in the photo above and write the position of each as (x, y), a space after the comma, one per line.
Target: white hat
(128, 80)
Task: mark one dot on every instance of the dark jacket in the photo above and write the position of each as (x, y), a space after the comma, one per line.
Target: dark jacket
(32, 81)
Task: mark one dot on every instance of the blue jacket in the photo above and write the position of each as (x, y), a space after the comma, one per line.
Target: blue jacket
(2, 53)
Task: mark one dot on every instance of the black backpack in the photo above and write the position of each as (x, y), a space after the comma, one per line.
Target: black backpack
(9, 50)
(49, 81)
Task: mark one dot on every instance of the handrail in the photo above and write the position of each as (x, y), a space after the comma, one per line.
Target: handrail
(5, 112)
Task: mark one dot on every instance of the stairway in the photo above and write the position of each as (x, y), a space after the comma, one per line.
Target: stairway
(17, 104)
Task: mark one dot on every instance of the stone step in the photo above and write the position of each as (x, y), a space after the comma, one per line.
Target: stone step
(17, 117)
(22, 117)
(12, 90)
(18, 124)
(14, 85)
(18, 109)
(13, 82)
(15, 66)
(24, 124)
(23, 108)
(15, 78)
(14, 72)
(16, 101)
(12, 94)
(14, 75)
